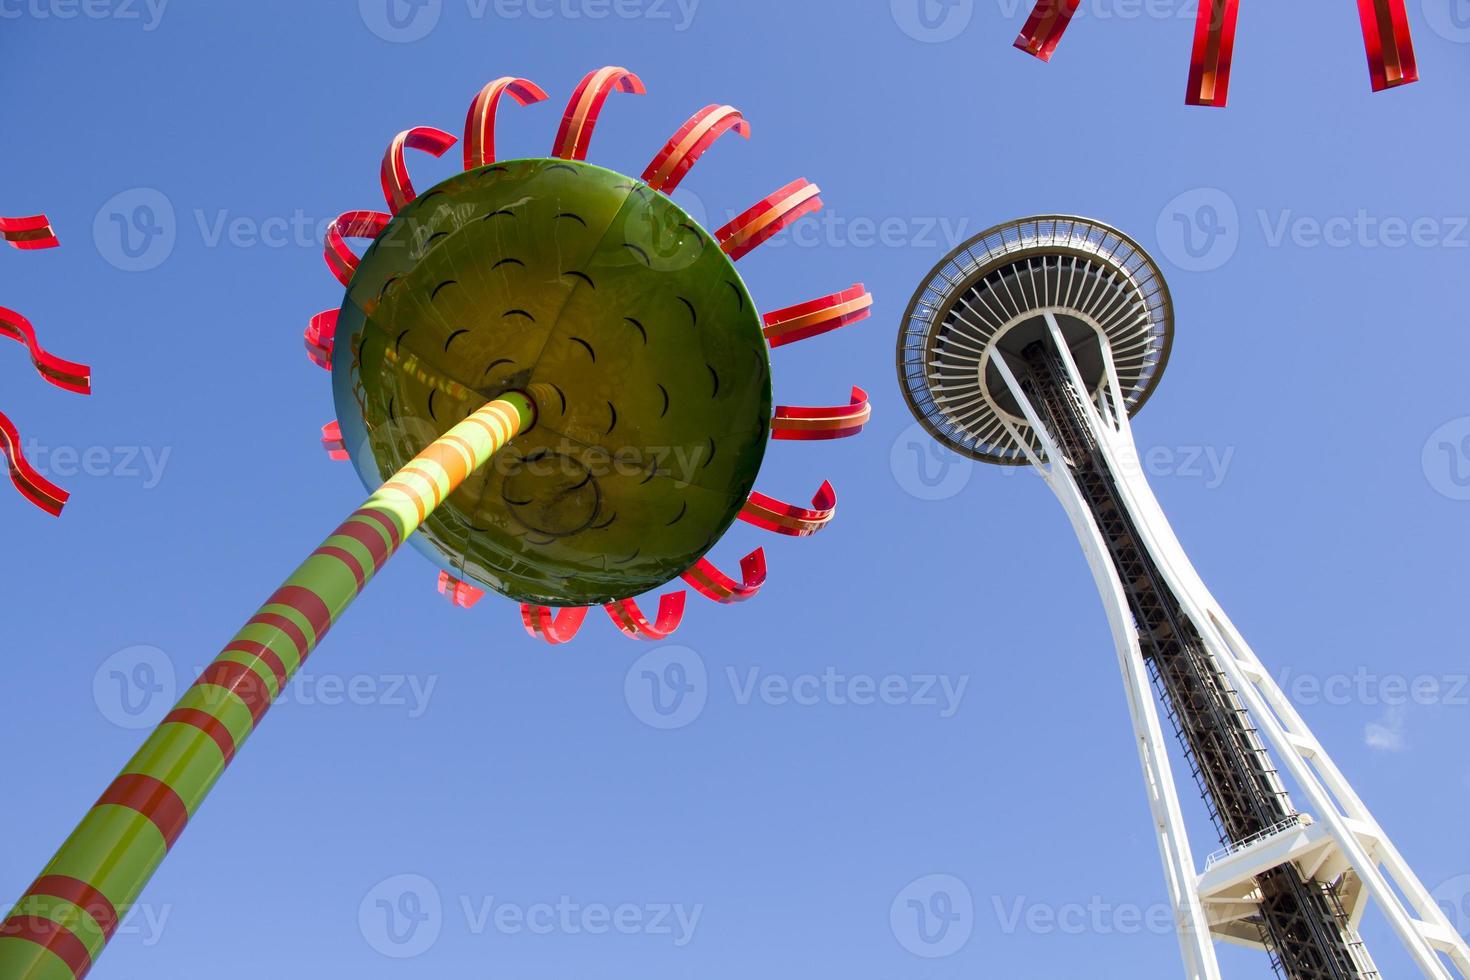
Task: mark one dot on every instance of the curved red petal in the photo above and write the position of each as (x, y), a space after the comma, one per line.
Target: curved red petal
(818, 316)
(771, 514)
(479, 124)
(1391, 59)
(351, 224)
(61, 373)
(321, 338)
(577, 123)
(1045, 26)
(714, 584)
(679, 155)
(769, 218)
(460, 594)
(836, 422)
(32, 485)
(629, 618)
(397, 186)
(554, 627)
(1214, 47)
(30, 232)
(332, 441)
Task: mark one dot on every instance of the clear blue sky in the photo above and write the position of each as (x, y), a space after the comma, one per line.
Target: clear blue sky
(1310, 443)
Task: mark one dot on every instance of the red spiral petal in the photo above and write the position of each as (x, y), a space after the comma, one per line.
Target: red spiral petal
(836, 422)
(769, 218)
(397, 186)
(32, 485)
(629, 618)
(1391, 60)
(321, 338)
(63, 374)
(552, 626)
(352, 224)
(31, 232)
(479, 124)
(771, 514)
(818, 316)
(580, 118)
(1046, 25)
(683, 150)
(714, 584)
(460, 594)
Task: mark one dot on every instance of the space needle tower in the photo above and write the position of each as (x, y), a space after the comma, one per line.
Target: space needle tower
(1034, 344)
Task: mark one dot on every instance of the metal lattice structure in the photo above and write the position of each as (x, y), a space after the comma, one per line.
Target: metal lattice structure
(1036, 343)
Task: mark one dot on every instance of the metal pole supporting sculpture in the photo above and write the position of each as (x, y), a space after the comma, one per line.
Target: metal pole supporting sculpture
(1386, 36)
(28, 234)
(562, 385)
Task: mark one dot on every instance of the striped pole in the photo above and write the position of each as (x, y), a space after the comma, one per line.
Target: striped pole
(59, 928)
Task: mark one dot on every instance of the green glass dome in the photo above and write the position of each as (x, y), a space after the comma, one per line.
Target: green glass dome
(631, 330)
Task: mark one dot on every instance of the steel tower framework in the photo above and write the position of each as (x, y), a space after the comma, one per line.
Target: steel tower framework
(1034, 343)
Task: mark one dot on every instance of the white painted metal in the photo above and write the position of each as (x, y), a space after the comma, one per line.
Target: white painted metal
(1343, 838)
(1191, 925)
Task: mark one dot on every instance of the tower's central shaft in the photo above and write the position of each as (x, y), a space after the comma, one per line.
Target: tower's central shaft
(1302, 922)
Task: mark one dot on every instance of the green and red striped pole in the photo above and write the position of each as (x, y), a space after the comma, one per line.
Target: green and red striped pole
(59, 928)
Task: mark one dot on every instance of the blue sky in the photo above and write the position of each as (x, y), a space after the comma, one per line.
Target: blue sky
(928, 688)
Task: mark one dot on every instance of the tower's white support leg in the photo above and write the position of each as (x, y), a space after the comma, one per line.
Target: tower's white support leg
(1361, 845)
(1195, 942)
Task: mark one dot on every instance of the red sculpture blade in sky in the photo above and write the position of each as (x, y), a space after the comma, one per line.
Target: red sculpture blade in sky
(1386, 35)
(29, 233)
